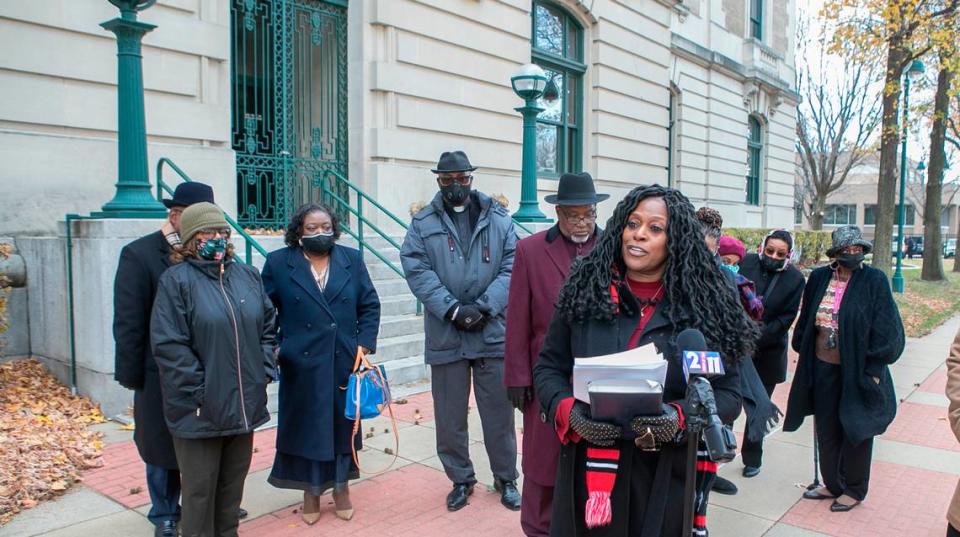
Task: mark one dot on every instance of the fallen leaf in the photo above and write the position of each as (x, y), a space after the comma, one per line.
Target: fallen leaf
(136, 490)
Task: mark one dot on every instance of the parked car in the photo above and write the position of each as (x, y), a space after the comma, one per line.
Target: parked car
(950, 248)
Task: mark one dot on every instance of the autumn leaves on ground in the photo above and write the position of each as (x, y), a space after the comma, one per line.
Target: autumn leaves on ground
(44, 441)
(926, 305)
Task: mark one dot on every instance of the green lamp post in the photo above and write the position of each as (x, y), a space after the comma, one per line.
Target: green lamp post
(528, 83)
(915, 71)
(133, 198)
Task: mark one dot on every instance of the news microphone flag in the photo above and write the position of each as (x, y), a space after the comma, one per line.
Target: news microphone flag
(703, 363)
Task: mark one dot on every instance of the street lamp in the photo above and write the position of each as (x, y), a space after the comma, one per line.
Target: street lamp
(133, 198)
(915, 71)
(529, 83)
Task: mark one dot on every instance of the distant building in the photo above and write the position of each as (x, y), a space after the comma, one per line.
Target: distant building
(856, 202)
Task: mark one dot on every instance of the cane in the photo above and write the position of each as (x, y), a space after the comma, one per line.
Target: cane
(816, 460)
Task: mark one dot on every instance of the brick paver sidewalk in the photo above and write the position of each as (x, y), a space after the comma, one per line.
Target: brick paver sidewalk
(916, 466)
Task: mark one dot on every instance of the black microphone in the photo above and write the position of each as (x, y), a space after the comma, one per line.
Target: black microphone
(698, 365)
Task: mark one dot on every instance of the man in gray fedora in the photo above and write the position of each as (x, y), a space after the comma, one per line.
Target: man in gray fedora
(457, 257)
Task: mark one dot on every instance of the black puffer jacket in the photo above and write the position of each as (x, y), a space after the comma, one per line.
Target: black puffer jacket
(212, 333)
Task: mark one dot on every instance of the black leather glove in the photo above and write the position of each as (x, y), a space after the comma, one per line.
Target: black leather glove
(596, 432)
(653, 432)
(469, 318)
(519, 396)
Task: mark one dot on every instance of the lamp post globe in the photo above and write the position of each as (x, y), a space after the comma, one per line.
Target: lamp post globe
(529, 82)
(916, 69)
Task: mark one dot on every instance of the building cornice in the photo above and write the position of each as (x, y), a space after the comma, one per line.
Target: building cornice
(752, 78)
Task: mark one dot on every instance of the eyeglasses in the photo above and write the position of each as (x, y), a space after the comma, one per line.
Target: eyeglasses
(447, 180)
(574, 219)
(210, 233)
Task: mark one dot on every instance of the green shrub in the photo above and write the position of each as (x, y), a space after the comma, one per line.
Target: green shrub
(813, 244)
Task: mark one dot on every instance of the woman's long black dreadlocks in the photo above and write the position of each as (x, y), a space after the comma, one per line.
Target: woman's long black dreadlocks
(692, 280)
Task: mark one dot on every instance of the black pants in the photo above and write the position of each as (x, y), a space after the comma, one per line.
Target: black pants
(952, 532)
(752, 452)
(212, 474)
(845, 467)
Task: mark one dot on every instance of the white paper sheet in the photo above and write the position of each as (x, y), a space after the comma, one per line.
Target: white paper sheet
(640, 364)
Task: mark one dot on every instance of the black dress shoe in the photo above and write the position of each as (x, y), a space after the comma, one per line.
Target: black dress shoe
(814, 494)
(167, 528)
(457, 498)
(724, 486)
(838, 507)
(242, 513)
(751, 471)
(509, 495)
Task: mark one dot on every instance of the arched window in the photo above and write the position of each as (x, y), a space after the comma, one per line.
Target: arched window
(557, 45)
(754, 162)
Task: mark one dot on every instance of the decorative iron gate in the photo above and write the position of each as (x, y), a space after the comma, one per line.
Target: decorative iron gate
(289, 103)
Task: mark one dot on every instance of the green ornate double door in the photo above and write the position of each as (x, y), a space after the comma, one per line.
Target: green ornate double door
(288, 105)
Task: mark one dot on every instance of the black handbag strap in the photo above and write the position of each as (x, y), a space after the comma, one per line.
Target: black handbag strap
(769, 290)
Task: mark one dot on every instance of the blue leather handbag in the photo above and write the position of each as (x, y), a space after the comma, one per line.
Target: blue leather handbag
(368, 394)
(367, 390)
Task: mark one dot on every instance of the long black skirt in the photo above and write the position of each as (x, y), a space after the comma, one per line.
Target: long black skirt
(313, 477)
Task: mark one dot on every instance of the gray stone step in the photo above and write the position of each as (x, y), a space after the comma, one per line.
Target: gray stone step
(400, 325)
(392, 287)
(398, 305)
(406, 371)
(397, 347)
(380, 271)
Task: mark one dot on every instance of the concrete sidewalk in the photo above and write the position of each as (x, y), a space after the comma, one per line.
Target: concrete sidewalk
(916, 465)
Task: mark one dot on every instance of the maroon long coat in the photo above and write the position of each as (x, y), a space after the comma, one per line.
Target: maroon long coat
(541, 264)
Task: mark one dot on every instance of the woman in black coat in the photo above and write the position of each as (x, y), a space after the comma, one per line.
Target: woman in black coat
(327, 308)
(780, 287)
(848, 333)
(649, 277)
(212, 332)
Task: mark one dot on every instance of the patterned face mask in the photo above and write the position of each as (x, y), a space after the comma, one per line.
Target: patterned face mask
(212, 249)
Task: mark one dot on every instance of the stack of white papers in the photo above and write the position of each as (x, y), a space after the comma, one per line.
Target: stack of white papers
(638, 365)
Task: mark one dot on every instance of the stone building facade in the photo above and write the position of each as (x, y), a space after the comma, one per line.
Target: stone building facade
(660, 91)
(268, 100)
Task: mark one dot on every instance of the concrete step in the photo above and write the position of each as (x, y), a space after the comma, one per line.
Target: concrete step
(406, 371)
(400, 325)
(398, 305)
(380, 271)
(398, 347)
(391, 288)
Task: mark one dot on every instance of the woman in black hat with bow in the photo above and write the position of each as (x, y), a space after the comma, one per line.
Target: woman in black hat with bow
(849, 331)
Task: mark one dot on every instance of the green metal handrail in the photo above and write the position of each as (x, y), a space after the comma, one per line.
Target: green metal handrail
(249, 243)
(328, 181)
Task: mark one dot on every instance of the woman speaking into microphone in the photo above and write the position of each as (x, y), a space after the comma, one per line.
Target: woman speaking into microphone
(649, 277)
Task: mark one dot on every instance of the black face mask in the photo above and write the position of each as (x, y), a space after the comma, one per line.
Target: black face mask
(770, 264)
(850, 261)
(319, 244)
(455, 194)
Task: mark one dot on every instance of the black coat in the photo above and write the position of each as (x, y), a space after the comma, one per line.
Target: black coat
(779, 310)
(141, 264)
(870, 339)
(212, 333)
(319, 334)
(633, 502)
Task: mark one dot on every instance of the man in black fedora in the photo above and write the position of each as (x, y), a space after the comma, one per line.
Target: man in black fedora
(457, 258)
(540, 266)
(141, 264)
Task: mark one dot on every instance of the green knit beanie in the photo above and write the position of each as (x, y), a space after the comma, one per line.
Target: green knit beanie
(200, 216)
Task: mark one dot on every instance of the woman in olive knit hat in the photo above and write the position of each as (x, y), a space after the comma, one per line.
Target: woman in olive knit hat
(212, 333)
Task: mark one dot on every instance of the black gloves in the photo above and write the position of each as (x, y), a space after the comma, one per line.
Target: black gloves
(655, 431)
(595, 432)
(470, 317)
(519, 397)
